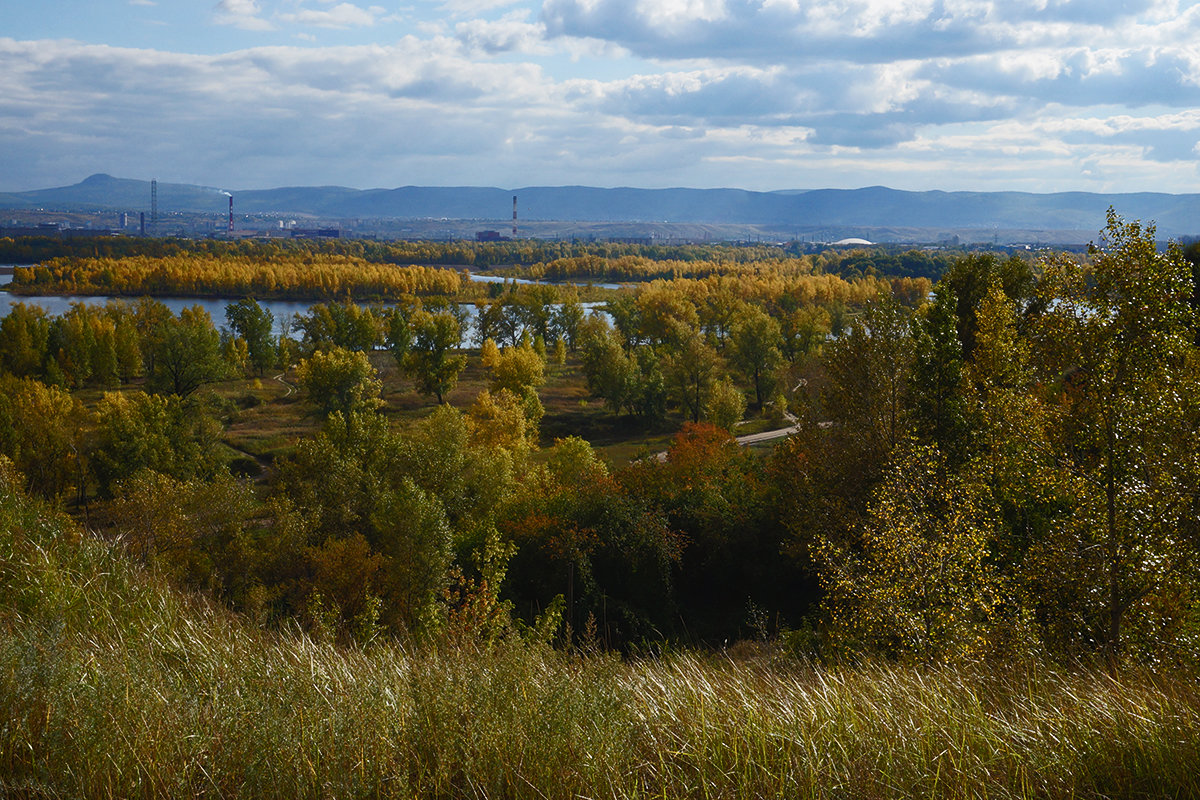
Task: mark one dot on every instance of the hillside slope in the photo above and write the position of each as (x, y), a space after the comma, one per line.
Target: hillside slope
(113, 685)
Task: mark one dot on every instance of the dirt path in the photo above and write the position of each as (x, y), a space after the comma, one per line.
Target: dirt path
(290, 388)
(767, 436)
(756, 438)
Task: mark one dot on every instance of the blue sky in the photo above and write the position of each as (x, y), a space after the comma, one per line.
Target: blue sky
(1032, 95)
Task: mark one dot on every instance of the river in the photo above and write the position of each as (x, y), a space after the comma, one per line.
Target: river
(282, 310)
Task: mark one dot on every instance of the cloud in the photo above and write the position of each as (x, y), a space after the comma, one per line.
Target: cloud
(142, 3)
(865, 31)
(510, 34)
(243, 14)
(473, 8)
(494, 102)
(342, 15)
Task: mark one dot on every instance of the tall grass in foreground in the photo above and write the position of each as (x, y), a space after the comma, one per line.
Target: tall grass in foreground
(113, 686)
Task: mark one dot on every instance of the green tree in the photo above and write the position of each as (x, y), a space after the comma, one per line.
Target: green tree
(72, 345)
(24, 340)
(867, 394)
(345, 325)
(185, 354)
(41, 430)
(920, 581)
(690, 367)
(138, 431)
(610, 372)
(398, 333)
(567, 317)
(127, 343)
(340, 380)
(940, 409)
(401, 494)
(254, 325)
(754, 350)
(803, 331)
(1116, 357)
(195, 531)
(432, 361)
(726, 405)
(972, 277)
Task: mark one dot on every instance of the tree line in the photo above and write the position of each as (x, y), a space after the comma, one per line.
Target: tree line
(286, 274)
(551, 259)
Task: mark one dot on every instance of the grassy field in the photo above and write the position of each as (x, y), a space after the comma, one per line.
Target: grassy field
(266, 420)
(112, 685)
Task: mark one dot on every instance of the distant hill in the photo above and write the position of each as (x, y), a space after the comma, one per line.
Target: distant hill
(875, 206)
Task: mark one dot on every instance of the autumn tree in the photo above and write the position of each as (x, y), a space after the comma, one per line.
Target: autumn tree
(340, 380)
(919, 582)
(163, 433)
(690, 367)
(24, 340)
(1115, 352)
(754, 350)
(42, 432)
(520, 371)
(726, 405)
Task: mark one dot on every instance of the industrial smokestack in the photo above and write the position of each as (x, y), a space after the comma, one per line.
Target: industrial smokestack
(514, 216)
(231, 213)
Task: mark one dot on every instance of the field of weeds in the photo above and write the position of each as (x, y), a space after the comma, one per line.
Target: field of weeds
(112, 685)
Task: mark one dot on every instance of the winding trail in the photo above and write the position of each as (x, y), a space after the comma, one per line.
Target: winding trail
(290, 389)
(757, 438)
(766, 436)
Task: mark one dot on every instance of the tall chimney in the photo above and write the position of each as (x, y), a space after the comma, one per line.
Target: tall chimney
(231, 213)
(514, 216)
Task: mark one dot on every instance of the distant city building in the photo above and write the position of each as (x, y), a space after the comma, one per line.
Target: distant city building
(315, 233)
(56, 230)
(489, 236)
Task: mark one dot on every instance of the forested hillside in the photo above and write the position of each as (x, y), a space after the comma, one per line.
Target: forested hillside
(1003, 463)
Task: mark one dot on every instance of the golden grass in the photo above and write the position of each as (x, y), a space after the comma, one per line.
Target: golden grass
(112, 685)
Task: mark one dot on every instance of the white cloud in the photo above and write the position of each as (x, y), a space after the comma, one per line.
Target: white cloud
(342, 15)
(243, 14)
(787, 31)
(510, 34)
(473, 8)
(142, 3)
(750, 93)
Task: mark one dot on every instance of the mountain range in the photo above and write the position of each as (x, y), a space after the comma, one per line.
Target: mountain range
(875, 206)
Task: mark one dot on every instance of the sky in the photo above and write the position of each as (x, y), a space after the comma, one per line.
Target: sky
(1027, 95)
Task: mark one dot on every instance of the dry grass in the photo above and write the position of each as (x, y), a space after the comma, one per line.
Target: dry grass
(113, 686)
